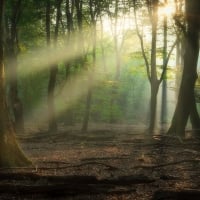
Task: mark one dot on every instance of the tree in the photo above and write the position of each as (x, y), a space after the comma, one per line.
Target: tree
(118, 38)
(54, 67)
(10, 152)
(164, 84)
(69, 12)
(151, 66)
(12, 52)
(186, 102)
(93, 15)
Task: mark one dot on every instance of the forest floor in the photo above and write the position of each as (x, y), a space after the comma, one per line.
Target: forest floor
(109, 162)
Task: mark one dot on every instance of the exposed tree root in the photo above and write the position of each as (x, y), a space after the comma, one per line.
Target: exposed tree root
(167, 164)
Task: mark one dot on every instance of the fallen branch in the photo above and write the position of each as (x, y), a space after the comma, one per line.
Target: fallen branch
(110, 167)
(36, 168)
(166, 164)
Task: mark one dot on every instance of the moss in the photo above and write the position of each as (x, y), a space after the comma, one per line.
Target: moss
(11, 154)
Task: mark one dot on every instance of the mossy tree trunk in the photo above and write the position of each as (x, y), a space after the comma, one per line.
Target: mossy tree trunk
(10, 152)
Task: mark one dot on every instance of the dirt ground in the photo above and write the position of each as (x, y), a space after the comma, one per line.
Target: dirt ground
(108, 162)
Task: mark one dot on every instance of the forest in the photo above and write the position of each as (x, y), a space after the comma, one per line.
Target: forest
(100, 99)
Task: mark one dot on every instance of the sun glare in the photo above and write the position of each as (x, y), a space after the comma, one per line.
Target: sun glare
(166, 10)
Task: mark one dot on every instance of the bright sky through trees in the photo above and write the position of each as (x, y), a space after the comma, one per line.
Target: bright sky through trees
(167, 9)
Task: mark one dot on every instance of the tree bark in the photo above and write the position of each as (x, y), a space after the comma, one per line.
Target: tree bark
(12, 50)
(53, 68)
(90, 71)
(153, 106)
(69, 11)
(154, 83)
(186, 93)
(10, 152)
(194, 117)
(164, 84)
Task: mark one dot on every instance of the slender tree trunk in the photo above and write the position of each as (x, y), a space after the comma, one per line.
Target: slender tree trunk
(53, 69)
(179, 63)
(164, 84)
(10, 152)
(179, 49)
(154, 80)
(116, 43)
(69, 11)
(186, 93)
(102, 47)
(87, 108)
(91, 71)
(12, 50)
(151, 67)
(194, 117)
(153, 106)
(117, 50)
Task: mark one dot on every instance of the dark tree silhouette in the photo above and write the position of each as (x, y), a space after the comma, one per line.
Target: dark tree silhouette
(10, 153)
(186, 102)
(12, 53)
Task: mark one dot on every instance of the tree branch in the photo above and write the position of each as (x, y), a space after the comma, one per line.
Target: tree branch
(142, 45)
(166, 61)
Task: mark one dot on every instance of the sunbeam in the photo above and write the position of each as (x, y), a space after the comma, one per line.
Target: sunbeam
(40, 59)
(166, 9)
(69, 92)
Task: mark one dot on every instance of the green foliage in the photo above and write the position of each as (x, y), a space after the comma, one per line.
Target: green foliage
(125, 99)
(33, 89)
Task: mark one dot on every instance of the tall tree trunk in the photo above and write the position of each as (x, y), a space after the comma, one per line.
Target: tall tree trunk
(186, 92)
(88, 107)
(116, 42)
(151, 67)
(102, 47)
(117, 51)
(154, 80)
(10, 152)
(90, 71)
(53, 69)
(69, 11)
(153, 106)
(194, 117)
(179, 49)
(12, 46)
(164, 84)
